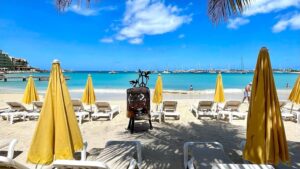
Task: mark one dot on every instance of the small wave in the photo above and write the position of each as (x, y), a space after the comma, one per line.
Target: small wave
(117, 91)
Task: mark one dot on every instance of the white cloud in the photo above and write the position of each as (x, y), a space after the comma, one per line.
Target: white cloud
(136, 41)
(107, 40)
(292, 22)
(237, 22)
(108, 8)
(89, 11)
(263, 7)
(149, 17)
(83, 11)
(181, 36)
(267, 6)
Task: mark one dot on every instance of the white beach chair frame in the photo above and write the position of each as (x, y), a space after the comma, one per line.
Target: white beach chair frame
(209, 113)
(156, 113)
(81, 115)
(8, 161)
(231, 113)
(188, 163)
(82, 164)
(12, 114)
(115, 109)
(170, 112)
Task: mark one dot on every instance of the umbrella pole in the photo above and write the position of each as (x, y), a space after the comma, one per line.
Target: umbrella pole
(90, 113)
(292, 107)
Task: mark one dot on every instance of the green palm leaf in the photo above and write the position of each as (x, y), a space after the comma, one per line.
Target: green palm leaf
(218, 10)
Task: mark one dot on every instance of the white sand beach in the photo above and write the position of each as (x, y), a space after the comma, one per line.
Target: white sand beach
(162, 147)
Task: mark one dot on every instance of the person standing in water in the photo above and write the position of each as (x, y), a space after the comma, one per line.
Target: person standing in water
(247, 92)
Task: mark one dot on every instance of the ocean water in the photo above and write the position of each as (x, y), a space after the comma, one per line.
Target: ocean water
(120, 81)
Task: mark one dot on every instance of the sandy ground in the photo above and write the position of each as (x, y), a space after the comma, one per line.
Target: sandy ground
(162, 146)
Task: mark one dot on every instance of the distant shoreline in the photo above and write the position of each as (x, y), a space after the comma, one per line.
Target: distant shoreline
(123, 91)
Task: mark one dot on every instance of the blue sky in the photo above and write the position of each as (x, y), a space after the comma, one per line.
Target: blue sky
(149, 34)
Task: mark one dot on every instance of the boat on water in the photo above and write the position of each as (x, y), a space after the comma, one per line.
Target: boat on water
(243, 72)
(66, 70)
(166, 72)
(212, 71)
(112, 72)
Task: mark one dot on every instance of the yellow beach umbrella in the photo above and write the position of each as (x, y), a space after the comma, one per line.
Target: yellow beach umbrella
(57, 133)
(219, 91)
(30, 94)
(295, 94)
(265, 138)
(158, 91)
(89, 93)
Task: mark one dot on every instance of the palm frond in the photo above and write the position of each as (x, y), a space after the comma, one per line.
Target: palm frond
(219, 10)
(63, 4)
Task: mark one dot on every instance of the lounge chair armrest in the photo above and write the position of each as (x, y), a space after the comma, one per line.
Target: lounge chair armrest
(11, 148)
(132, 164)
(115, 108)
(190, 164)
(83, 151)
(186, 161)
(193, 107)
(138, 149)
(78, 164)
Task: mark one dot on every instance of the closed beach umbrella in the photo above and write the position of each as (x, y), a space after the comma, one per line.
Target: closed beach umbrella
(265, 138)
(30, 94)
(57, 134)
(158, 91)
(158, 96)
(219, 91)
(89, 93)
(295, 94)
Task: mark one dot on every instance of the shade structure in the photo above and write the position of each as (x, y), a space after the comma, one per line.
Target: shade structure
(57, 134)
(219, 91)
(295, 94)
(30, 94)
(158, 91)
(89, 93)
(265, 138)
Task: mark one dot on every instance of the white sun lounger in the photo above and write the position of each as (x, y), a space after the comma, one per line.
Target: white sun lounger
(296, 116)
(231, 110)
(104, 110)
(211, 155)
(8, 161)
(80, 112)
(37, 106)
(169, 110)
(116, 155)
(18, 111)
(204, 109)
(156, 113)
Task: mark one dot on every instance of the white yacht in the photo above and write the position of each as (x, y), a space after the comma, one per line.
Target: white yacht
(166, 72)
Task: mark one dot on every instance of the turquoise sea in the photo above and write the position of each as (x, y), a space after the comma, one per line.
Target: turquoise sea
(180, 81)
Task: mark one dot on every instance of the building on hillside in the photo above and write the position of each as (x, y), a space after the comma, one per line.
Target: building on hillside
(20, 64)
(5, 62)
(9, 63)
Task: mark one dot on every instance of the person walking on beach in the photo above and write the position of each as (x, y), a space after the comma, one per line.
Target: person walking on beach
(247, 92)
(287, 85)
(191, 87)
